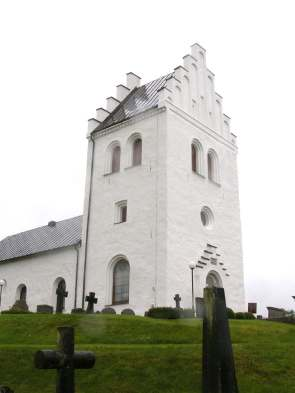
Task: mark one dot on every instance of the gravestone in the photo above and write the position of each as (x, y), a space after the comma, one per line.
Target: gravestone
(127, 311)
(177, 300)
(218, 362)
(78, 311)
(108, 310)
(61, 295)
(199, 307)
(65, 360)
(92, 300)
(44, 308)
(20, 305)
(252, 308)
(276, 313)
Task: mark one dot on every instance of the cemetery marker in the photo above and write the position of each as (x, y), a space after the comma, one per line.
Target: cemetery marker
(65, 360)
(177, 300)
(218, 362)
(91, 299)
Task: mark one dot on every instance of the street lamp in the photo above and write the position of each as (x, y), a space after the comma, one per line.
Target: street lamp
(192, 266)
(2, 284)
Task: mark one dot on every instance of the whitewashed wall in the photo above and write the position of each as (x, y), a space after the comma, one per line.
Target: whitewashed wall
(38, 273)
(187, 193)
(141, 240)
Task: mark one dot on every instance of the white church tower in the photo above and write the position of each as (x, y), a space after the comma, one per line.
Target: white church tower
(162, 192)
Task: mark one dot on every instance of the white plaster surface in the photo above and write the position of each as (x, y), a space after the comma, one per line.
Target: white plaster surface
(38, 273)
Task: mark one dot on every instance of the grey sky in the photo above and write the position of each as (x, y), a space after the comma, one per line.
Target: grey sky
(61, 59)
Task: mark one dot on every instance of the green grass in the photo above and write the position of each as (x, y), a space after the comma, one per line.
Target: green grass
(142, 355)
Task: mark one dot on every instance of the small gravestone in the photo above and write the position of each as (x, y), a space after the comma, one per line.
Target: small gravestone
(44, 308)
(177, 300)
(77, 311)
(92, 300)
(127, 311)
(20, 305)
(5, 389)
(108, 310)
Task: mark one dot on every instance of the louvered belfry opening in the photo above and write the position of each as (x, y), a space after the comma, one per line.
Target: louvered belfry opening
(116, 159)
(137, 152)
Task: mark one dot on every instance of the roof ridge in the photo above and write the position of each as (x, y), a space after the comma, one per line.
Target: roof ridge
(39, 227)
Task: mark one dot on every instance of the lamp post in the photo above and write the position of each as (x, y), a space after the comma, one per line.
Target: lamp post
(2, 284)
(192, 266)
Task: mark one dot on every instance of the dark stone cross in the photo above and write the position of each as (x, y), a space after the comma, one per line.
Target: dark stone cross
(177, 300)
(65, 360)
(61, 295)
(219, 374)
(91, 299)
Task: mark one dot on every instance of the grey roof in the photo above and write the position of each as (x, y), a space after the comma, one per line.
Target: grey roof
(50, 237)
(137, 101)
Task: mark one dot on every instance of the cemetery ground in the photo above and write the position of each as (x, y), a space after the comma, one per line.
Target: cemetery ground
(144, 355)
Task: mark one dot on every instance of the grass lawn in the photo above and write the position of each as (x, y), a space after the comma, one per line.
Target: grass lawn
(142, 355)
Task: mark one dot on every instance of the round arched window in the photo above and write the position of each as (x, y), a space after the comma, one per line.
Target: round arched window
(121, 282)
(207, 217)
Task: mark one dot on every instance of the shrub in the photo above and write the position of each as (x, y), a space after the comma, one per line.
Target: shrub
(14, 310)
(230, 313)
(163, 313)
(186, 313)
(244, 315)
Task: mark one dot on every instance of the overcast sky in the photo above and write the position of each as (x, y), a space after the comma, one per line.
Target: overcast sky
(61, 59)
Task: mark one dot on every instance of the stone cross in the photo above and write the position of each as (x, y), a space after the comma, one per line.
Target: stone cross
(219, 374)
(65, 360)
(91, 299)
(61, 295)
(177, 300)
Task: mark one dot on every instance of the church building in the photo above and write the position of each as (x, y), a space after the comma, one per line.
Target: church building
(161, 212)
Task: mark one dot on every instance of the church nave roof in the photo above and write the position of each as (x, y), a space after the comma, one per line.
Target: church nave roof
(55, 235)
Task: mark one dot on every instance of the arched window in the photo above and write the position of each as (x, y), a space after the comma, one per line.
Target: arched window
(121, 274)
(21, 293)
(197, 157)
(213, 166)
(194, 158)
(137, 152)
(116, 156)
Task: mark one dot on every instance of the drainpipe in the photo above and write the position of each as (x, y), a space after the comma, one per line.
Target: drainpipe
(77, 248)
(88, 218)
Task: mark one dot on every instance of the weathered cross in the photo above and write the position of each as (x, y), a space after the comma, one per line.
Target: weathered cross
(61, 295)
(91, 299)
(65, 360)
(177, 300)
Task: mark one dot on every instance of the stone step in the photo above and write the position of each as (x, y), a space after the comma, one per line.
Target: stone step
(202, 263)
(199, 267)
